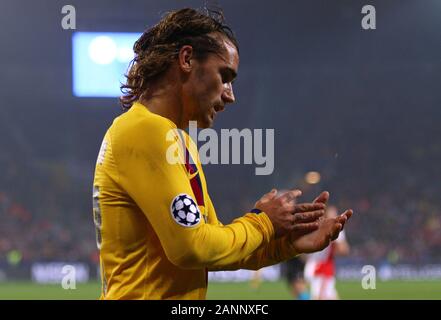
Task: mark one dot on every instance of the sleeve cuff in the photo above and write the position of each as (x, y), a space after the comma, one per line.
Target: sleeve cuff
(268, 225)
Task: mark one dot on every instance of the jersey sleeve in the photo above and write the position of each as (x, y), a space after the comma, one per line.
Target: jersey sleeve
(278, 250)
(160, 188)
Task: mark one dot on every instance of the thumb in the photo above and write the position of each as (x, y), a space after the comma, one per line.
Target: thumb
(322, 198)
(270, 195)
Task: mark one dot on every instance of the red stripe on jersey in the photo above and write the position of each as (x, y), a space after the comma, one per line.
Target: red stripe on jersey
(197, 189)
(195, 181)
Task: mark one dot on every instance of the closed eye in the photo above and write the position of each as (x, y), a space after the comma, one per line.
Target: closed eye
(228, 75)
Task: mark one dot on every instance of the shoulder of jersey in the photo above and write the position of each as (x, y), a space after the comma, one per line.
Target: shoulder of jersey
(143, 123)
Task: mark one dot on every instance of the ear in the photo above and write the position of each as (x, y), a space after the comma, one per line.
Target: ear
(185, 58)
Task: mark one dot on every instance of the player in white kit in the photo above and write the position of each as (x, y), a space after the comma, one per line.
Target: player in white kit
(320, 266)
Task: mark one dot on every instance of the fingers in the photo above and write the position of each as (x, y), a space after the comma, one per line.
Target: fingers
(348, 213)
(340, 223)
(304, 217)
(304, 228)
(338, 227)
(305, 207)
(290, 195)
(270, 195)
(344, 217)
(322, 198)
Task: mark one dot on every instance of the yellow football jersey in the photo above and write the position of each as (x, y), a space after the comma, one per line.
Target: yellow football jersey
(157, 229)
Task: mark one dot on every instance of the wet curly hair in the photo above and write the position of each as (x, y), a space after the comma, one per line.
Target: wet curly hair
(159, 46)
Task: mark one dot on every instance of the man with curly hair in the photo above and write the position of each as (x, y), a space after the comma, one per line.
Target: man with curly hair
(157, 229)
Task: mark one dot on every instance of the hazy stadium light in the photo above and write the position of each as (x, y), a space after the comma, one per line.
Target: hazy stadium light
(102, 50)
(125, 54)
(312, 177)
(100, 61)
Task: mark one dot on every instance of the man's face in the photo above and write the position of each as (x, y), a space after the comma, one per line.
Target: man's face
(210, 87)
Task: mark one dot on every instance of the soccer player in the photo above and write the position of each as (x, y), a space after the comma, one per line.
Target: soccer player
(320, 266)
(294, 275)
(157, 228)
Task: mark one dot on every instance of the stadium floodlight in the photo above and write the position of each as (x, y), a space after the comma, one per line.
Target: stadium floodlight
(312, 177)
(99, 62)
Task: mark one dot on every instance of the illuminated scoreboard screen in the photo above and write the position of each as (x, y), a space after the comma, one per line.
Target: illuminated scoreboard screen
(99, 62)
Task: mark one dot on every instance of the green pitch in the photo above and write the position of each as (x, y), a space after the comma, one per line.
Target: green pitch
(267, 290)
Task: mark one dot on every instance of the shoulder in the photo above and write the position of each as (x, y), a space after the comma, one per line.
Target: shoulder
(140, 120)
(141, 128)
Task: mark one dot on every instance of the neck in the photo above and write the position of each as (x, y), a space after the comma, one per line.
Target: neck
(163, 99)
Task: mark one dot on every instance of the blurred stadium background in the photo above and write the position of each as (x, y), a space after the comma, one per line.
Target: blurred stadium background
(360, 108)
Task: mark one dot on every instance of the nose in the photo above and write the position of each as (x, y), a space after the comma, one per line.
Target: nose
(228, 94)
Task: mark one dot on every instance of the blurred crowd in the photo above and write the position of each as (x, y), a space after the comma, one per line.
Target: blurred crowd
(395, 196)
(43, 216)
